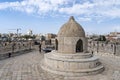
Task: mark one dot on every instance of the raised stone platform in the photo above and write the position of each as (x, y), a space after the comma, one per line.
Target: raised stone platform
(72, 64)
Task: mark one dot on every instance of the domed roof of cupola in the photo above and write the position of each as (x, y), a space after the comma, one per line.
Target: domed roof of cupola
(71, 29)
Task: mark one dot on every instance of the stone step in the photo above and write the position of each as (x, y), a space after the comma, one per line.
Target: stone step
(89, 70)
(81, 72)
(70, 56)
(94, 58)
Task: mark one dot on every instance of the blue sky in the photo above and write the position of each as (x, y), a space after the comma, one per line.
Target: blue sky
(47, 16)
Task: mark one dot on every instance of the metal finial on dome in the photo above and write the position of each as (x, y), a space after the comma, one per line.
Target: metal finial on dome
(71, 18)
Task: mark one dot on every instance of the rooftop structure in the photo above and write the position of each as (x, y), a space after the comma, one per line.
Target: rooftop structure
(71, 57)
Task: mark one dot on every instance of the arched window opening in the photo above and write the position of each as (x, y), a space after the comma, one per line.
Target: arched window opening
(56, 44)
(79, 46)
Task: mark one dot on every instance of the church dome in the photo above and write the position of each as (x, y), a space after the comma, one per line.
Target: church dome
(71, 29)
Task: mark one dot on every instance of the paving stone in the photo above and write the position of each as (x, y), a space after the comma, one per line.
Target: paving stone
(27, 67)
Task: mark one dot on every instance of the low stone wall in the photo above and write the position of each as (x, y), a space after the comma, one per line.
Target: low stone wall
(8, 50)
(103, 47)
(9, 54)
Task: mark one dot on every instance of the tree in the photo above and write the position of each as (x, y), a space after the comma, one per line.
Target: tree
(28, 37)
(33, 37)
(102, 38)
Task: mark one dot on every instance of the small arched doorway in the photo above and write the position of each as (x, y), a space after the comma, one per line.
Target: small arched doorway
(56, 44)
(79, 46)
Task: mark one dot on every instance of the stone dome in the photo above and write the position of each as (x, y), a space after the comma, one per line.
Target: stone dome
(71, 29)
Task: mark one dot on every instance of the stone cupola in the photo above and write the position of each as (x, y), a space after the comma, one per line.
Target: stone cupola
(71, 38)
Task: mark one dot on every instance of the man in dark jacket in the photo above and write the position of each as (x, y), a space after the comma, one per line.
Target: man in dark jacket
(39, 47)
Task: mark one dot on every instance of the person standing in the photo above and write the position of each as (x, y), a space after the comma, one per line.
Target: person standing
(39, 47)
(13, 47)
(9, 55)
(92, 52)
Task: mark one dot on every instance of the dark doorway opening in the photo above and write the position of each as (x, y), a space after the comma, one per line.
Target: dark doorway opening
(56, 44)
(79, 46)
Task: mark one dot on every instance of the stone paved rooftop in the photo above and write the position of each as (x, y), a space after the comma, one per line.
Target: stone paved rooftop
(27, 67)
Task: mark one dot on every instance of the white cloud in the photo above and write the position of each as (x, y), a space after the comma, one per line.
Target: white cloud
(84, 19)
(76, 9)
(116, 28)
(93, 9)
(98, 9)
(18, 6)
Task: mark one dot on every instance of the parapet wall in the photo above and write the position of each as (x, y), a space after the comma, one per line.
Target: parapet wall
(112, 48)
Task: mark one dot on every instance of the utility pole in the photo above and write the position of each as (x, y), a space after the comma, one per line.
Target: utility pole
(17, 31)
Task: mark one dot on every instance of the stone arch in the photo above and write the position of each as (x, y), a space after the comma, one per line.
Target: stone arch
(56, 44)
(79, 46)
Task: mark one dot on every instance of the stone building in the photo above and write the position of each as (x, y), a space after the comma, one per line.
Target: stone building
(71, 57)
(50, 38)
(30, 32)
